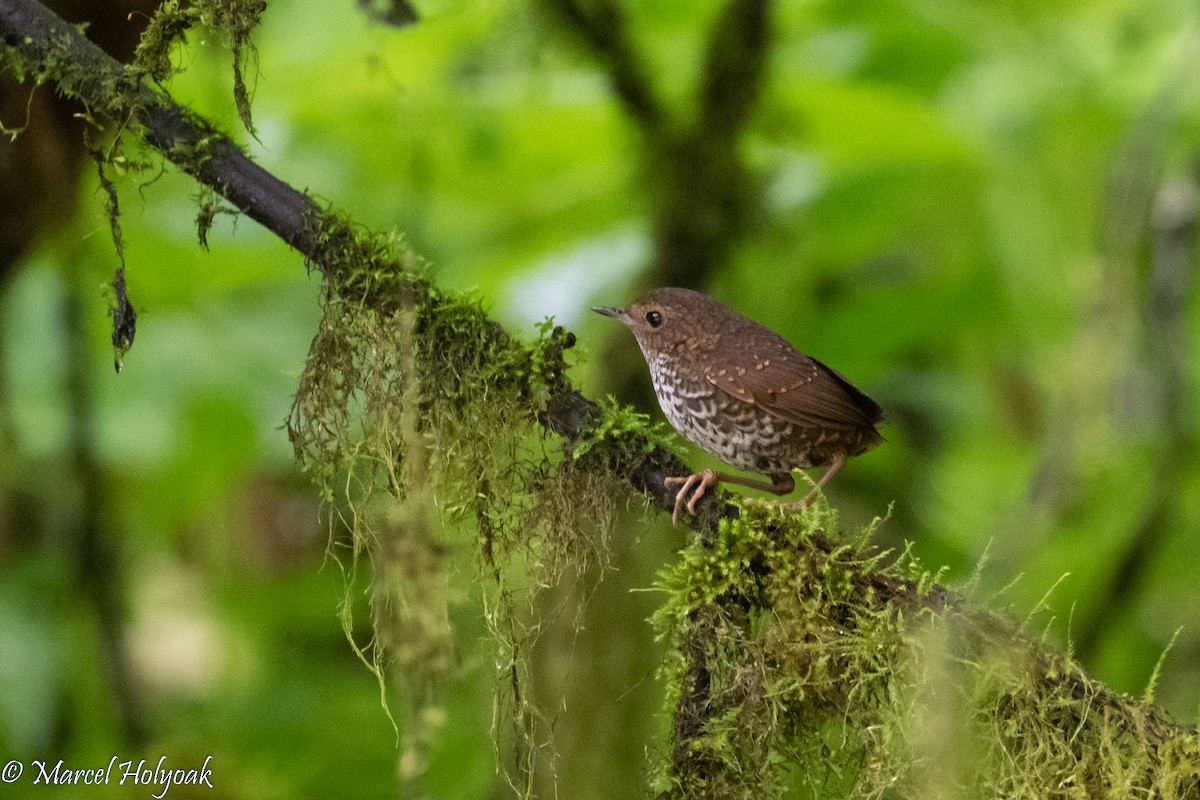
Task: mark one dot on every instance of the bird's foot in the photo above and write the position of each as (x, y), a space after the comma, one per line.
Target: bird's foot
(697, 484)
(802, 503)
(836, 464)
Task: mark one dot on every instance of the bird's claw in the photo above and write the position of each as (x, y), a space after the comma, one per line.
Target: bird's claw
(697, 484)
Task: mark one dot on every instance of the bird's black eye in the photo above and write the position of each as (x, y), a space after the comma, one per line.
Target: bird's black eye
(654, 318)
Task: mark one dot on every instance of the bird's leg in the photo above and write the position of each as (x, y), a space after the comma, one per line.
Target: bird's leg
(780, 484)
(838, 462)
(700, 482)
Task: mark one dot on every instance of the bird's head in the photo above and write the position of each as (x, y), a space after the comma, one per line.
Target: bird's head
(665, 319)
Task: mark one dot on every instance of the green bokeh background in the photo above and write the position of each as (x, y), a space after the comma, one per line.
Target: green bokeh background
(949, 215)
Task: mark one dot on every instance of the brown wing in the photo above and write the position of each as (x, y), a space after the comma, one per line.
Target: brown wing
(775, 376)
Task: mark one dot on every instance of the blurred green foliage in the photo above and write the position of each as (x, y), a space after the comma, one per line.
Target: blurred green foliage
(960, 206)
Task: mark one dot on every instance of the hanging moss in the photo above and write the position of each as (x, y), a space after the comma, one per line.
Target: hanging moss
(233, 20)
(418, 416)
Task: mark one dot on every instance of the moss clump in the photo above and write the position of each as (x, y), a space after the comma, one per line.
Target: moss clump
(621, 432)
(802, 667)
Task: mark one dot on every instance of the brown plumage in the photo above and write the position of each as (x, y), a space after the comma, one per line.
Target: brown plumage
(745, 394)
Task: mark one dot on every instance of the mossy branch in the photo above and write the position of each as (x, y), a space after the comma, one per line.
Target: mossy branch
(797, 658)
(52, 50)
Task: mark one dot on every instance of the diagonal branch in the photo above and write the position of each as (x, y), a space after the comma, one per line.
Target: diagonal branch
(56, 51)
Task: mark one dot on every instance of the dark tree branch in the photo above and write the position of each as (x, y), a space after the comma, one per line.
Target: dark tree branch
(600, 24)
(735, 60)
(703, 192)
(285, 211)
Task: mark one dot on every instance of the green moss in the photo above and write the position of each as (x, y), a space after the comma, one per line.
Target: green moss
(802, 667)
(105, 89)
(621, 430)
(208, 206)
(169, 24)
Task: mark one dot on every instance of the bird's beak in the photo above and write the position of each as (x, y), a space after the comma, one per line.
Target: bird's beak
(611, 311)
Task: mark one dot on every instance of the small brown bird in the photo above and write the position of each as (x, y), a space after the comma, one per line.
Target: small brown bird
(745, 394)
